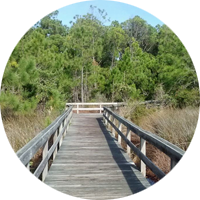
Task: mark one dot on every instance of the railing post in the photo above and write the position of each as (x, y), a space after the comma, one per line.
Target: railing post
(113, 130)
(120, 129)
(174, 176)
(143, 150)
(106, 121)
(68, 123)
(77, 106)
(128, 135)
(54, 140)
(70, 116)
(61, 139)
(25, 175)
(100, 109)
(65, 122)
(103, 115)
(44, 154)
(109, 125)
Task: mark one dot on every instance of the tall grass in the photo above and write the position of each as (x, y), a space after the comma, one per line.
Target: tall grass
(175, 125)
(21, 128)
(15, 131)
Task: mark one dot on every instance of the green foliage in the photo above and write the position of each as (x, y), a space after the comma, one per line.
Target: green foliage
(145, 34)
(89, 61)
(47, 121)
(139, 112)
(19, 86)
(136, 67)
(52, 26)
(187, 98)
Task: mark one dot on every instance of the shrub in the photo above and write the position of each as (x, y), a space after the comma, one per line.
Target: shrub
(187, 98)
(135, 111)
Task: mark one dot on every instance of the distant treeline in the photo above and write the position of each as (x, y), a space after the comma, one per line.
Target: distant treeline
(53, 64)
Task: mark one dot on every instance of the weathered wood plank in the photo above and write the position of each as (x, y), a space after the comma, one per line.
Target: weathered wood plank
(91, 164)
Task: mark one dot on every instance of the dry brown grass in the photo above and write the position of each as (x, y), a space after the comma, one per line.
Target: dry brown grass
(175, 125)
(15, 131)
(20, 129)
(127, 111)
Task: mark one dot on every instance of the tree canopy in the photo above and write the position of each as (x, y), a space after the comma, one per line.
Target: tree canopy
(53, 64)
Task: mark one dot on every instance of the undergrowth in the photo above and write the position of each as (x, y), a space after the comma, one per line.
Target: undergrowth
(175, 125)
(135, 111)
(17, 129)
(21, 128)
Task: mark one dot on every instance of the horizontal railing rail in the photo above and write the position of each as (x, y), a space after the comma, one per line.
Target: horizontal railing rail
(114, 122)
(56, 131)
(80, 106)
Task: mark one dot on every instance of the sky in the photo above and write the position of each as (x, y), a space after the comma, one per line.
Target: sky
(153, 11)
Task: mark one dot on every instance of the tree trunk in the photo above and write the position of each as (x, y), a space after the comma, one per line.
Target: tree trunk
(112, 62)
(113, 92)
(86, 87)
(82, 92)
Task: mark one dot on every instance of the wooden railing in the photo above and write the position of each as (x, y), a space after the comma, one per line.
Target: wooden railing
(114, 123)
(95, 106)
(54, 132)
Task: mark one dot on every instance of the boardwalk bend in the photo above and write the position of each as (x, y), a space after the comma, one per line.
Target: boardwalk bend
(82, 154)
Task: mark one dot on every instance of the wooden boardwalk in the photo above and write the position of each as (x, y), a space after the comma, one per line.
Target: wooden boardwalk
(91, 164)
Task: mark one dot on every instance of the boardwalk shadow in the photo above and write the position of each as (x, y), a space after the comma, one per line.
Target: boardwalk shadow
(130, 172)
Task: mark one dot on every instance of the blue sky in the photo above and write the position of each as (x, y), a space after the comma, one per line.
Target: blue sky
(153, 11)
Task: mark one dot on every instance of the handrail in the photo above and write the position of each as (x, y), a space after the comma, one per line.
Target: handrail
(57, 130)
(100, 104)
(174, 152)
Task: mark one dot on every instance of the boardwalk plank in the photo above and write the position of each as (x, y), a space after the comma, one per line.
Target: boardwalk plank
(92, 165)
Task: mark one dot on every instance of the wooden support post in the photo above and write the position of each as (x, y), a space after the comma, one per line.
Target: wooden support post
(108, 116)
(70, 117)
(174, 176)
(143, 150)
(109, 125)
(61, 139)
(113, 130)
(77, 111)
(65, 122)
(54, 139)
(100, 109)
(120, 129)
(106, 121)
(44, 154)
(103, 116)
(128, 135)
(25, 176)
